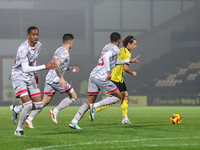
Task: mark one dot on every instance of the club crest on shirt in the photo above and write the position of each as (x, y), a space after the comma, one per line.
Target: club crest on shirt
(62, 55)
(22, 54)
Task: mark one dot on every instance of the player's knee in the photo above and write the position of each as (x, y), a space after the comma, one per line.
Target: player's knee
(126, 97)
(47, 103)
(120, 97)
(73, 95)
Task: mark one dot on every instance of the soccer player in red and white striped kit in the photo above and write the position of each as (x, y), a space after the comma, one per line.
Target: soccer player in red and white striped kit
(100, 80)
(55, 81)
(24, 77)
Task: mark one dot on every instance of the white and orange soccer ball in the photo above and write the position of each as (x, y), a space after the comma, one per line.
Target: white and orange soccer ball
(176, 119)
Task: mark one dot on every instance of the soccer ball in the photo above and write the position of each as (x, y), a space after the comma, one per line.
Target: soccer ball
(176, 119)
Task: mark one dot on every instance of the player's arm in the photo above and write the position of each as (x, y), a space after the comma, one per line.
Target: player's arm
(135, 59)
(59, 73)
(35, 74)
(26, 68)
(128, 60)
(120, 62)
(128, 70)
(106, 57)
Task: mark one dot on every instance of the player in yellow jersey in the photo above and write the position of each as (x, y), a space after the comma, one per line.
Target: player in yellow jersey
(129, 44)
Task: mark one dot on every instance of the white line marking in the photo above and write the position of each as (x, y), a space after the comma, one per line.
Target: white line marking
(122, 141)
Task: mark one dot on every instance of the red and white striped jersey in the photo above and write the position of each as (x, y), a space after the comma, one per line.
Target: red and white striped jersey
(62, 54)
(25, 51)
(100, 71)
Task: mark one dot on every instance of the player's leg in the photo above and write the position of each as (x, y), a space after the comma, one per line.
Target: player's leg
(120, 86)
(15, 110)
(63, 104)
(124, 107)
(93, 91)
(72, 96)
(38, 104)
(116, 96)
(109, 88)
(81, 112)
(27, 106)
(22, 91)
(29, 121)
(102, 108)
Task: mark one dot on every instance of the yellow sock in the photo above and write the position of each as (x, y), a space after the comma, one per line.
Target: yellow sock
(102, 108)
(124, 106)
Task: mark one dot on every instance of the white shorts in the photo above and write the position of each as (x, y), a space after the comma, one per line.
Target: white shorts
(95, 85)
(50, 89)
(21, 87)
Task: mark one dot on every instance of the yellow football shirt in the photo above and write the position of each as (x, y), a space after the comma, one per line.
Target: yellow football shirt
(118, 72)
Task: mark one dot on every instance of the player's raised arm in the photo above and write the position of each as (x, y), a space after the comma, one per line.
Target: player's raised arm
(135, 59)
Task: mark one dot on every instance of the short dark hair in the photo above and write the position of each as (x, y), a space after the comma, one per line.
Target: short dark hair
(128, 39)
(114, 37)
(31, 28)
(67, 37)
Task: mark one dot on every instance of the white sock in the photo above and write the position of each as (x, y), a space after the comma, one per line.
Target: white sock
(80, 113)
(18, 108)
(25, 111)
(63, 104)
(33, 114)
(125, 117)
(38, 105)
(106, 101)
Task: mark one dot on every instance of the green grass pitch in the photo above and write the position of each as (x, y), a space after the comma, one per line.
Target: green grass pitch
(151, 130)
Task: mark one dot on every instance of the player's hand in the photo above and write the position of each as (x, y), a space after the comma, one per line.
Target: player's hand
(108, 76)
(36, 77)
(50, 65)
(134, 73)
(75, 69)
(135, 59)
(63, 83)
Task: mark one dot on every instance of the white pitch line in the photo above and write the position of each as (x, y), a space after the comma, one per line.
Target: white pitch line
(116, 141)
(133, 146)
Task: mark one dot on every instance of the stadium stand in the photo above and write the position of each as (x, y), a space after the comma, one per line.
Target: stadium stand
(175, 75)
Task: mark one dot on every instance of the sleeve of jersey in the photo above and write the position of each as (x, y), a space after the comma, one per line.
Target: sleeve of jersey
(106, 57)
(63, 57)
(26, 68)
(123, 59)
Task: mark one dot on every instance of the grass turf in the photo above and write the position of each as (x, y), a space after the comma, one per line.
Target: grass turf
(151, 130)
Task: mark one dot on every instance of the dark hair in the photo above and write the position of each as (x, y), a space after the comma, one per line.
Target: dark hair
(128, 39)
(114, 37)
(67, 37)
(31, 28)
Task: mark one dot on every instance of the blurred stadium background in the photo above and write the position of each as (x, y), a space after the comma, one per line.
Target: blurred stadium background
(167, 32)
